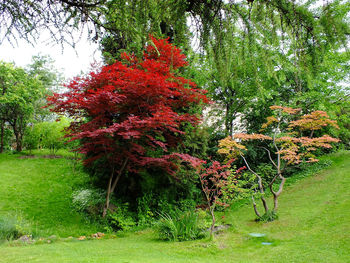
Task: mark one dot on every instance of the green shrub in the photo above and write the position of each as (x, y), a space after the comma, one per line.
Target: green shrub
(310, 169)
(120, 218)
(180, 226)
(9, 228)
(49, 135)
(92, 201)
(269, 216)
(89, 201)
(145, 208)
(150, 206)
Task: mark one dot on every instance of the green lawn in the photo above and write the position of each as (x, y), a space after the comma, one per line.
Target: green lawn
(313, 226)
(39, 191)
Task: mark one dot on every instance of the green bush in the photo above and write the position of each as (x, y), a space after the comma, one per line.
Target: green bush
(310, 169)
(120, 218)
(151, 205)
(9, 228)
(269, 216)
(180, 226)
(8, 138)
(49, 135)
(145, 208)
(88, 201)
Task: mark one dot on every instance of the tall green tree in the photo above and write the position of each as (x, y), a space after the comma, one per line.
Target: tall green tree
(281, 44)
(259, 56)
(42, 68)
(5, 79)
(19, 91)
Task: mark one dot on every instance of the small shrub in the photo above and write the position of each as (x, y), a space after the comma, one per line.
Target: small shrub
(145, 205)
(267, 172)
(269, 216)
(89, 201)
(180, 226)
(119, 219)
(9, 228)
(187, 204)
(151, 205)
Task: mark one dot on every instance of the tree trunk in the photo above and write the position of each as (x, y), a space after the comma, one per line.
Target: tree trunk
(18, 141)
(278, 193)
(312, 133)
(19, 146)
(262, 192)
(260, 184)
(213, 221)
(227, 122)
(111, 186)
(255, 208)
(275, 203)
(18, 135)
(106, 207)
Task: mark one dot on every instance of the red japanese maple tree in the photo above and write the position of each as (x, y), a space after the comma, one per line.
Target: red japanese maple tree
(124, 110)
(218, 182)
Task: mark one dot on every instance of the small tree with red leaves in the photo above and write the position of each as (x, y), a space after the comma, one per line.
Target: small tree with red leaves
(218, 182)
(213, 179)
(287, 146)
(123, 111)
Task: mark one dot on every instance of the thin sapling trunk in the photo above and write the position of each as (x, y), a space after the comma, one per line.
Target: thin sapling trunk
(112, 183)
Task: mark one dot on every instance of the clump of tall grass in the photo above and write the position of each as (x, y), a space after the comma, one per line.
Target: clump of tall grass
(13, 227)
(180, 226)
(9, 229)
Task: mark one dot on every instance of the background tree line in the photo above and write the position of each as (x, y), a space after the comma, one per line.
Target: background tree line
(22, 101)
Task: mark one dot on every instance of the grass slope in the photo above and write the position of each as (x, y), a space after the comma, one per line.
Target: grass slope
(39, 191)
(313, 227)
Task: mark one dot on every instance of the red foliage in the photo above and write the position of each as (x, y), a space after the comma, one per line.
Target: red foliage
(213, 179)
(125, 109)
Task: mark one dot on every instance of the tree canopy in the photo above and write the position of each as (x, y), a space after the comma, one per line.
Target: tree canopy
(19, 92)
(130, 114)
(130, 20)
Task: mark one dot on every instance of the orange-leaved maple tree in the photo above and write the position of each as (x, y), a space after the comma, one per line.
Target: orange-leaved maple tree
(286, 144)
(123, 111)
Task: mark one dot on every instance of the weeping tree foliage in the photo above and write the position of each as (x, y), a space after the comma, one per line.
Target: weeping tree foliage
(131, 19)
(277, 51)
(27, 19)
(259, 52)
(234, 66)
(130, 23)
(124, 20)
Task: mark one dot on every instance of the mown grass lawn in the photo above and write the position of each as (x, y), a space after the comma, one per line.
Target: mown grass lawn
(313, 226)
(39, 191)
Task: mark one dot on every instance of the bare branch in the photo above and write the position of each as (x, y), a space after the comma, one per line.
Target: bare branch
(269, 153)
(261, 187)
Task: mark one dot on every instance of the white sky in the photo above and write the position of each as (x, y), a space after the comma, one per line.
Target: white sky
(70, 61)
